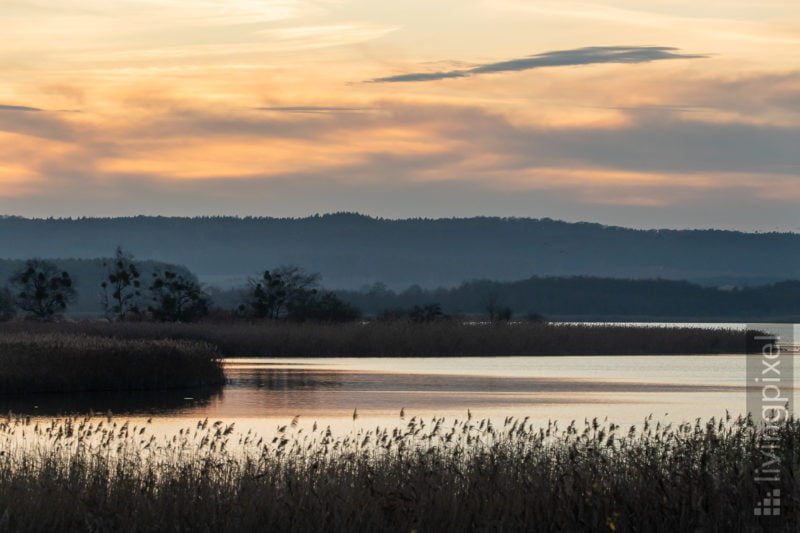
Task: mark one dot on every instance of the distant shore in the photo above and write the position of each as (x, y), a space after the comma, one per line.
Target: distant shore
(402, 338)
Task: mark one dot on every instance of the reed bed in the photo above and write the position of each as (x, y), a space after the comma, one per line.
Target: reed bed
(424, 475)
(60, 362)
(407, 338)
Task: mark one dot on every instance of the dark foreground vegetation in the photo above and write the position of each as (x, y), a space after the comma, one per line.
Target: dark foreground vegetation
(59, 362)
(433, 475)
(401, 338)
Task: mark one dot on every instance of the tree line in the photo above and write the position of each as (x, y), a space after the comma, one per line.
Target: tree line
(129, 289)
(591, 298)
(40, 290)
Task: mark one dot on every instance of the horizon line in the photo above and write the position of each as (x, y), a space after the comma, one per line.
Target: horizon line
(385, 219)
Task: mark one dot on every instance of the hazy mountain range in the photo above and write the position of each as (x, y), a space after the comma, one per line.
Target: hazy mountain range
(352, 250)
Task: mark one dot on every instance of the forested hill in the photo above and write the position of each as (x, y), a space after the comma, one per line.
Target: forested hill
(587, 298)
(351, 250)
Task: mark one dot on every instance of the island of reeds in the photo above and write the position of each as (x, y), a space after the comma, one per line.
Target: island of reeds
(424, 475)
(57, 362)
(94, 356)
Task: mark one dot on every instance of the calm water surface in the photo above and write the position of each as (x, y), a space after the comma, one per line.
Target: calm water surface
(264, 393)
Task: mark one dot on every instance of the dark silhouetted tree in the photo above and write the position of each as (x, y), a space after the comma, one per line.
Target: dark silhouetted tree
(7, 310)
(391, 314)
(121, 288)
(325, 307)
(491, 299)
(533, 316)
(278, 290)
(426, 313)
(503, 314)
(418, 313)
(41, 289)
(177, 298)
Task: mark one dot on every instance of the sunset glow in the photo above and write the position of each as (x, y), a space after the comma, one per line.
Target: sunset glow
(647, 113)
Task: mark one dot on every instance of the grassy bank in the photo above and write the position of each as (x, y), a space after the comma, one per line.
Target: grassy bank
(57, 362)
(405, 338)
(423, 476)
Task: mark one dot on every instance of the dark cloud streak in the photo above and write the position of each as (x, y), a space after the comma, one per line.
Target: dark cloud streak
(424, 76)
(559, 58)
(18, 108)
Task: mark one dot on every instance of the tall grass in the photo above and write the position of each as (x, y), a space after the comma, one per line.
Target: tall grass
(406, 338)
(57, 362)
(432, 475)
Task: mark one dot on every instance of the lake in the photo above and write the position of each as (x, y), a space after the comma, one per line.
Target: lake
(264, 393)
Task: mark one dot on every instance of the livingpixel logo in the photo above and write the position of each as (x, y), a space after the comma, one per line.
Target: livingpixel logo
(770, 505)
(770, 401)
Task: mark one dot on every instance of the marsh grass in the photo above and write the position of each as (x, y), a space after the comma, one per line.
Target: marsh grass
(407, 338)
(424, 475)
(60, 362)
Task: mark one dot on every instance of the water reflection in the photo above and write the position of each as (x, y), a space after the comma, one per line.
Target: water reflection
(297, 380)
(153, 403)
(282, 379)
(259, 390)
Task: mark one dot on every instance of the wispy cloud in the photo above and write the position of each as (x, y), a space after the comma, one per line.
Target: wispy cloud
(314, 109)
(18, 108)
(437, 159)
(307, 37)
(731, 20)
(579, 56)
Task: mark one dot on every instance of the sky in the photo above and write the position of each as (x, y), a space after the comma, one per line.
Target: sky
(642, 113)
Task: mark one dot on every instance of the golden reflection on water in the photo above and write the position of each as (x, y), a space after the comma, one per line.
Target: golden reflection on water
(263, 394)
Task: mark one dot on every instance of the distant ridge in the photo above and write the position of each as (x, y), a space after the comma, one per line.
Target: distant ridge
(351, 250)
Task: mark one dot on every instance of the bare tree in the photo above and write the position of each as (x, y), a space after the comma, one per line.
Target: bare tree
(490, 299)
(120, 296)
(492, 304)
(41, 289)
(278, 290)
(177, 297)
